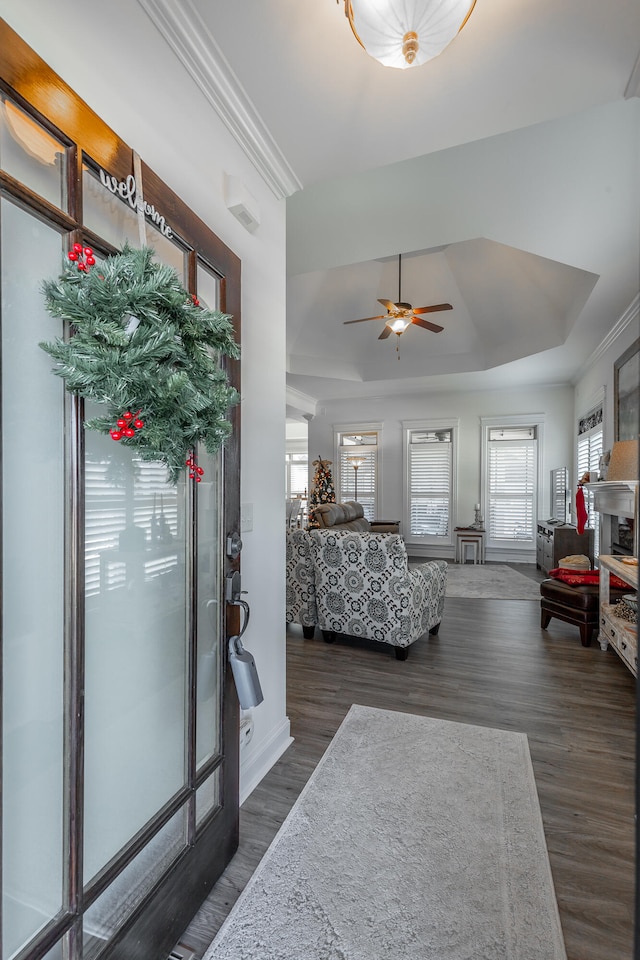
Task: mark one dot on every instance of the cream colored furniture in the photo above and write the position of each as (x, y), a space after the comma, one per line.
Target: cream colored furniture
(350, 516)
(473, 540)
(622, 635)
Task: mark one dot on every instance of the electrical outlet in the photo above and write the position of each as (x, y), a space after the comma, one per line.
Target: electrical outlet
(246, 731)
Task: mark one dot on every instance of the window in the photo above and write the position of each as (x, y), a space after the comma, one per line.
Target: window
(511, 481)
(590, 440)
(357, 468)
(297, 475)
(430, 481)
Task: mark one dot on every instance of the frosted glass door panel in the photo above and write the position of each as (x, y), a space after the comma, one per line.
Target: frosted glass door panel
(209, 659)
(30, 154)
(136, 645)
(116, 219)
(33, 584)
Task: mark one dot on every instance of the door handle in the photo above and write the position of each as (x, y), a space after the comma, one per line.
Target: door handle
(247, 612)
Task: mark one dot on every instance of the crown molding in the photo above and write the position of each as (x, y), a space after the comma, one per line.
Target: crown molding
(301, 401)
(633, 86)
(192, 42)
(631, 314)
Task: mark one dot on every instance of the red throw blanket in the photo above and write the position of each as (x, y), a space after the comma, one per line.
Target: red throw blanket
(575, 577)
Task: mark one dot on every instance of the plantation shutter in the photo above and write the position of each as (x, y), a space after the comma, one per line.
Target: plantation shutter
(512, 459)
(297, 474)
(430, 482)
(590, 441)
(559, 481)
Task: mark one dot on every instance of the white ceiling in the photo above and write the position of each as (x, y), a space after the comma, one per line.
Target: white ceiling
(505, 171)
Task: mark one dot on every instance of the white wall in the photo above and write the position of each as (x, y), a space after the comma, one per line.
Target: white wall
(113, 57)
(554, 403)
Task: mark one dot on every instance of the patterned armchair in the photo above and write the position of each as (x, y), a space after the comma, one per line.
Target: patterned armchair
(300, 591)
(364, 588)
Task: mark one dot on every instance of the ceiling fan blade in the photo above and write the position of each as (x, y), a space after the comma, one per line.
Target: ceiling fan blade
(385, 333)
(427, 325)
(434, 308)
(364, 319)
(389, 304)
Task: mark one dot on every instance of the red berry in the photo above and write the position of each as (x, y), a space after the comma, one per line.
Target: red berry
(91, 261)
(77, 247)
(127, 415)
(129, 432)
(72, 255)
(115, 434)
(139, 424)
(82, 268)
(200, 470)
(198, 479)
(121, 422)
(88, 252)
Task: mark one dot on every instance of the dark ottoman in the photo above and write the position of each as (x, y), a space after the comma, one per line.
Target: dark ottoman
(577, 604)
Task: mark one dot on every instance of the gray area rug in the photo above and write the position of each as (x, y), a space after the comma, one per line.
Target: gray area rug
(491, 581)
(414, 838)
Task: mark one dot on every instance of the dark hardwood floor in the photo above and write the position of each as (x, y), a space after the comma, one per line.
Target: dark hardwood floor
(491, 665)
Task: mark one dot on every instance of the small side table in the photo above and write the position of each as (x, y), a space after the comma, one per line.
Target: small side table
(469, 537)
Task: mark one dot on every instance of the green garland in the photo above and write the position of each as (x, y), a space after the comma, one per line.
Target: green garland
(163, 373)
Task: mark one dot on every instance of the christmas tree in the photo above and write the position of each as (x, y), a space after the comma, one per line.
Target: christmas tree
(322, 490)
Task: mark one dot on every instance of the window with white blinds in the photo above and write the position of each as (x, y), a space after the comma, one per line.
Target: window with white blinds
(512, 470)
(297, 474)
(358, 470)
(430, 482)
(590, 441)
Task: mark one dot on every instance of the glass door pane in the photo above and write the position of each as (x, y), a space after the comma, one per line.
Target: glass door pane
(33, 585)
(209, 663)
(30, 154)
(136, 645)
(210, 655)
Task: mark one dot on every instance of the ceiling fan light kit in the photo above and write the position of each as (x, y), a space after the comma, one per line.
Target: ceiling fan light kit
(400, 315)
(398, 324)
(407, 33)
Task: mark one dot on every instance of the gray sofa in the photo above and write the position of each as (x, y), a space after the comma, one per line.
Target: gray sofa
(349, 516)
(359, 584)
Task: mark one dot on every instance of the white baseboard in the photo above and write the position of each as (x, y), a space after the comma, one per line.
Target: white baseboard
(493, 554)
(257, 765)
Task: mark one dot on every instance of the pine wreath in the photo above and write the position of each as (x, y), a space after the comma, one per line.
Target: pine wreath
(145, 348)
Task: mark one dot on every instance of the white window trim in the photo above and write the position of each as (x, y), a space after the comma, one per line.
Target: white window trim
(448, 423)
(536, 420)
(372, 427)
(598, 399)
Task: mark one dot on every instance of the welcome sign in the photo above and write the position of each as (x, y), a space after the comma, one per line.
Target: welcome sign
(127, 190)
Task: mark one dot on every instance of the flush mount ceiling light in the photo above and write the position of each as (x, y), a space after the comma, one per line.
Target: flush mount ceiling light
(406, 33)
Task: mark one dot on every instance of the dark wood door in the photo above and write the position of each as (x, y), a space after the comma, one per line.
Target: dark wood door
(123, 729)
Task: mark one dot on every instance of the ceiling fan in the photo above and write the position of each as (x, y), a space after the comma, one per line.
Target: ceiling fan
(401, 315)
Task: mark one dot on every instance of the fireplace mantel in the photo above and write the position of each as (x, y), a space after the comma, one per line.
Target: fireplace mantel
(616, 499)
